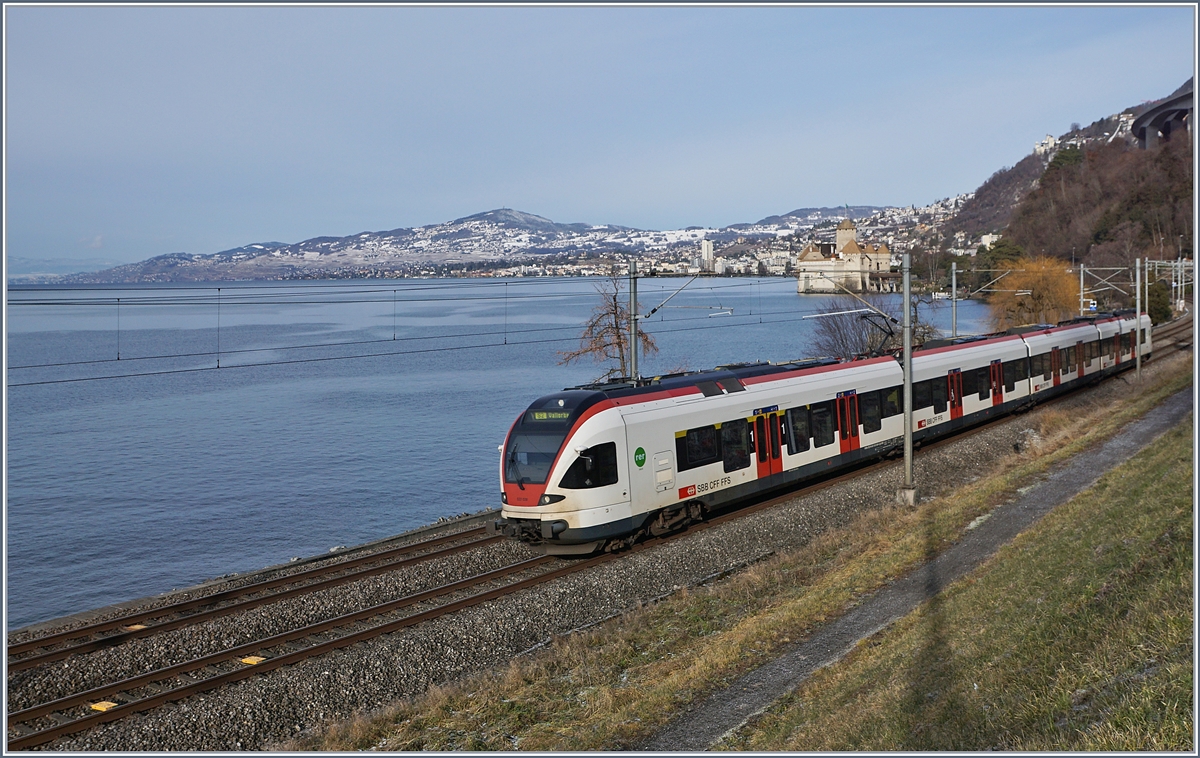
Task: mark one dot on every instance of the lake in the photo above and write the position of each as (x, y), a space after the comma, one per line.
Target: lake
(342, 412)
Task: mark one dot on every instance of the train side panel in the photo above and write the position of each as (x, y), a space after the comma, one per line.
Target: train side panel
(715, 449)
(961, 384)
(651, 458)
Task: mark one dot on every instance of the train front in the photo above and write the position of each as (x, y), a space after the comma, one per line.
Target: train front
(564, 474)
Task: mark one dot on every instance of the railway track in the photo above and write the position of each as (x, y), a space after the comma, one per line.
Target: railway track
(1177, 334)
(116, 631)
(45, 722)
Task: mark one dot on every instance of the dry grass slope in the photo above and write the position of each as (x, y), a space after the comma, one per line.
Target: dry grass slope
(1077, 637)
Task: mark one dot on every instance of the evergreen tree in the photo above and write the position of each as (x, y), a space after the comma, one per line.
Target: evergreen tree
(1158, 304)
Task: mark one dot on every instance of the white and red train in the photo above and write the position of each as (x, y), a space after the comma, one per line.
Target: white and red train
(598, 466)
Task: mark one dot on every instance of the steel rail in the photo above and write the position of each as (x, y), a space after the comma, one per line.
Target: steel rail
(188, 668)
(231, 594)
(244, 605)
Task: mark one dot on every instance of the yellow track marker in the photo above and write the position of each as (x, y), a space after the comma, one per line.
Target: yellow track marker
(250, 660)
(103, 705)
(134, 627)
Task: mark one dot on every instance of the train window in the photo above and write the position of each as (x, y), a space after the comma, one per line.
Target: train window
(735, 444)
(983, 381)
(1047, 366)
(798, 434)
(1010, 376)
(529, 457)
(890, 398)
(1113, 350)
(595, 467)
(1072, 359)
(1021, 369)
(822, 423)
(937, 389)
(922, 395)
(1143, 336)
(968, 383)
(697, 447)
(732, 384)
(868, 406)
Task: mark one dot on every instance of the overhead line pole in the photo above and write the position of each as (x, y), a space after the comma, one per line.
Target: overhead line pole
(1080, 289)
(1137, 329)
(633, 319)
(908, 494)
(953, 298)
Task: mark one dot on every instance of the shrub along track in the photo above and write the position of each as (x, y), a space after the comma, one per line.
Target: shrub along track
(44, 720)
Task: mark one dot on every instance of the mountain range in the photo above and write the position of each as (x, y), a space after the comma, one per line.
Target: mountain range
(501, 234)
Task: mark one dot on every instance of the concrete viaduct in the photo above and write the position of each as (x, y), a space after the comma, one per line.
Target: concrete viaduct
(1168, 117)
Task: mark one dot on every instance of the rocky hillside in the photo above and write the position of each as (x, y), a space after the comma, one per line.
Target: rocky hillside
(993, 204)
(1110, 204)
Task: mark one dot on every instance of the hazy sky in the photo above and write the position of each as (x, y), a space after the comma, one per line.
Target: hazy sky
(137, 131)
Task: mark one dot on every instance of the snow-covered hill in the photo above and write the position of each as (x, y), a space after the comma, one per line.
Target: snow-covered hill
(493, 235)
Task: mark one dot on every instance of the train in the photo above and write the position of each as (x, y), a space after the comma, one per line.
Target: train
(601, 466)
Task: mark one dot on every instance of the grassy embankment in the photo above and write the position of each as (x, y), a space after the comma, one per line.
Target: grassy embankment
(1077, 636)
(615, 685)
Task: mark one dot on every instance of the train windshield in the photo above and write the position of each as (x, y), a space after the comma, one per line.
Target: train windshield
(530, 456)
(539, 433)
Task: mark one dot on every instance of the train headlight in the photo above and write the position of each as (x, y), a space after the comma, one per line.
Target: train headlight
(504, 497)
(548, 499)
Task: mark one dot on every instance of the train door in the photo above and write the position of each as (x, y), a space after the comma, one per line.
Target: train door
(767, 444)
(847, 404)
(1055, 365)
(1116, 349)
(1079, 358)
(954, 381)
(996, 379)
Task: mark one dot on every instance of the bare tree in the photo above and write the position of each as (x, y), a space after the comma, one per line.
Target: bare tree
(847, 335)
(606, 333)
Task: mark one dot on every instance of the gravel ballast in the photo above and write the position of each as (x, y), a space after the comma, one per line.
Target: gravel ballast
(268, 709)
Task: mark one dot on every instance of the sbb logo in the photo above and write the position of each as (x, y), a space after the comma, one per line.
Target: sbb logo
(689, 491)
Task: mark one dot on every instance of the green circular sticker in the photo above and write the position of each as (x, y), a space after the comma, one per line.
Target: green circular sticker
(639, 457)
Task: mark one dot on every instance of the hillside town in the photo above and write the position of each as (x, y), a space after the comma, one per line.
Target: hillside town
(859, 254)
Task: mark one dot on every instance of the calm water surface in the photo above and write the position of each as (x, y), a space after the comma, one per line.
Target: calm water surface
(379, 409)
